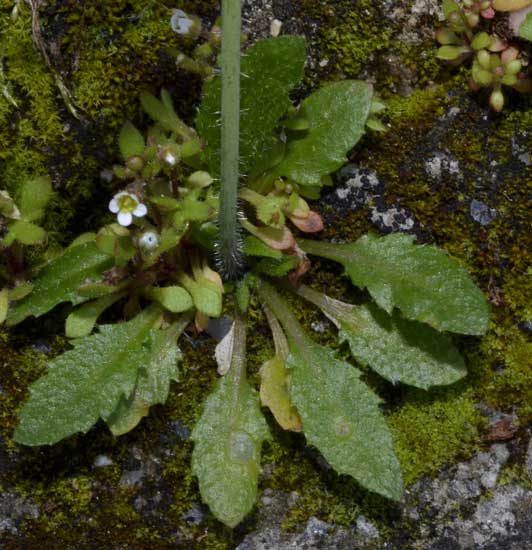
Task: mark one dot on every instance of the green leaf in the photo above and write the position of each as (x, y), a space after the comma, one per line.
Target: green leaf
(82, 320)
(174, 298)
(87, 382)
(480, 41)
(130, 141)
(340, 414)
(91, 291)
(341, 417)
(159, 112)
(450, 53)
(255, 247)
(228, 440)
(449, 6)
(398, 349)
(525, 30)
(115, 240)
(34, 196)
(206, 295)
(423, 281)
(242, 293)
(59, 280)
(277, 268)
(25, 232)
(337, 116)
(4, 304)
(376, 125)
(153, 382)
(270, 70)
(20, 291)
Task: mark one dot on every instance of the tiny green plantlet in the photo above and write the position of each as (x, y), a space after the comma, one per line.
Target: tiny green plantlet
(471, 32)
(183, 219)
(18, 229)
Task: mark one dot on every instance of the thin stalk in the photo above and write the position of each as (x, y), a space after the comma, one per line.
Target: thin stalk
(279, 339)
(229, 244)
(294, 331)
(331, 251)
(278, 307)
(237, 370)
(335, 310)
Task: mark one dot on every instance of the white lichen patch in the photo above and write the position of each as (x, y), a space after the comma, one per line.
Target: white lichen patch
(441, 164)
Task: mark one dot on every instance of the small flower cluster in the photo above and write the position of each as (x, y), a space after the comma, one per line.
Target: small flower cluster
(469, 34)
(166, 200)
(203, 59)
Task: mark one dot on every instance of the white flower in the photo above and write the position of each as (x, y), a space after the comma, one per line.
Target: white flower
(126, 205)
(170, 159)
(149, 240)
(180, 22)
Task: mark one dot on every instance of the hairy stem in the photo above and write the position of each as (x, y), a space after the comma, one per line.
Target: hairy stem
(229, 246)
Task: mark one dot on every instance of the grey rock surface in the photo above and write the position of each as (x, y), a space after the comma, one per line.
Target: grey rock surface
(463, 508)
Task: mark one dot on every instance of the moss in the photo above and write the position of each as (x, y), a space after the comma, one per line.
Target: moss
(432, 429)
(356, 39)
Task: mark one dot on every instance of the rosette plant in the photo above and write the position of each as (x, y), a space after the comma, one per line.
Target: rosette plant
(228, 202)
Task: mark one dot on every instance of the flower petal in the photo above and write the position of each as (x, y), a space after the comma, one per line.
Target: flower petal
(140, 211)
(113, 206)
(125, 218)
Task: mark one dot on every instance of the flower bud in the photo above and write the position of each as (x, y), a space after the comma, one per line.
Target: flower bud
(472, 19)
(483, 77)
(496, 100)
(495, 61)
(509, 54)
(509, 79)
(483, 58)
(135, 163)
(170, 154)
(480, 41)
(119, 172)
(513, 67)
(149, 240)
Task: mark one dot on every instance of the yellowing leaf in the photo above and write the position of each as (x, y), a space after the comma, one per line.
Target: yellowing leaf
(4, 304)
(274, 394)
(510, 5)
